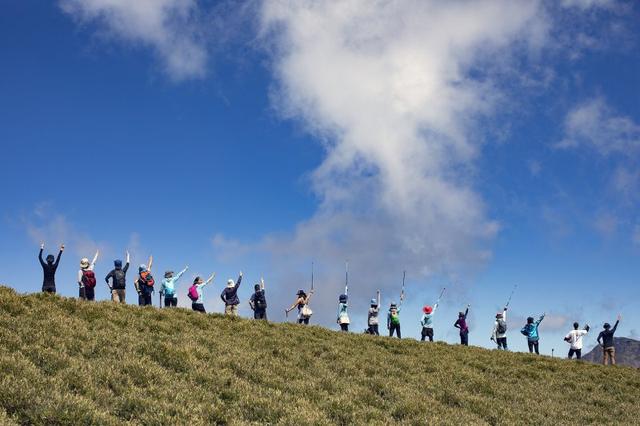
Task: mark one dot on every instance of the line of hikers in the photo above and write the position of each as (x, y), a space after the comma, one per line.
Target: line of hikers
(145, 287)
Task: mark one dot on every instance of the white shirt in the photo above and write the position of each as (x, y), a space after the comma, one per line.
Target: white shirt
(575, 338)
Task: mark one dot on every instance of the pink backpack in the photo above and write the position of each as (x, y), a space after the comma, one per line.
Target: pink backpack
(193, 293)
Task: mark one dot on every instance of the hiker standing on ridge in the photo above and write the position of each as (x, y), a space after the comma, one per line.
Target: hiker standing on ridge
(393, 320)
(168, 287)
(499, 334)
(144, 284)
(574, 338)
(49, 270)
(230, 297)
(427, 322)
(87, 279)
(302, 303)
(258, 301)
(530, 330)
(196, 294)
(119, 280)
(372, 316)
(461, 324)
(343, 315)
(605, 340)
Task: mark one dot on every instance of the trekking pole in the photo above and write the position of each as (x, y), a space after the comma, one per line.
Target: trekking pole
(404, 274)
(511, 295)
(441, 294)
(346, 277)
(160, 299)
(552, 352)
(311, 275)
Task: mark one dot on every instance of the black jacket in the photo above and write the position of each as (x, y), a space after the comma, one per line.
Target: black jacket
(119, 276)
(230, 295)
(605, 338)
(49, 270)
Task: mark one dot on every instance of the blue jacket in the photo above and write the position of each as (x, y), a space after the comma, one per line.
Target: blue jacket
(531, 330)
(169, 284)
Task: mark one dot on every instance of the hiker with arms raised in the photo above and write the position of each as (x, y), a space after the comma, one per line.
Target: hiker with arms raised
(605, 340)
(87, 279)
(168, 287)
(49, 269)
(118, 277)
(393, 320)
(372, 315)
(144, 283)
(302, 303)
(195, 293)
(574, 338)
(427, 319)
(461, 324)
(230, 297)
(530, 330)
(258, 301)
(499, 334)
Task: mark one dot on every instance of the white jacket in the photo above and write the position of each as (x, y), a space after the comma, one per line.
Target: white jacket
(574, 338)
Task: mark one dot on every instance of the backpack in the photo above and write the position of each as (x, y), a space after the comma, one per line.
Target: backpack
(259, 301)
(147, 279)
(525, 330)
(502, 326)
(88, 278)
(306, 312)
(193, 293)
(118, 278)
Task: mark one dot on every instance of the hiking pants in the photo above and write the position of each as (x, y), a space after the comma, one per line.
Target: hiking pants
(304, 321)
(198, 307)
(231, 310)
(609, 354)
(144, 299)
(534, 345)
(395, 327)
(373, 329)
(464, 338)
(170, 301)
(118, 295)
(50, 290)
(427, 332)
(578, 353)
(344, 327)
(502, 343)
(82, 294)
(260, 315)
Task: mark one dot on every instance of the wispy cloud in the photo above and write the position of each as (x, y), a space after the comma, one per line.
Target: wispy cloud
(594, 124)
(169, 27)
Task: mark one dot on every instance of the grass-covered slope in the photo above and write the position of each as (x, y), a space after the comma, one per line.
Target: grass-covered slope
(68, 362)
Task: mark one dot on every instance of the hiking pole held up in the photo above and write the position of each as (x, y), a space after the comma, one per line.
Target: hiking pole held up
(404, 274)
(311, 276)
(346, 277)
(441, 294)
(511, 295)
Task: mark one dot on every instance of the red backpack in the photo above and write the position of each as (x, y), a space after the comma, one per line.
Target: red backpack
(147, 278)
(88, 278)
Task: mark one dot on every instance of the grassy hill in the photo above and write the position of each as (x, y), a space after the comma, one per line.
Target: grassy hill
(63, 361)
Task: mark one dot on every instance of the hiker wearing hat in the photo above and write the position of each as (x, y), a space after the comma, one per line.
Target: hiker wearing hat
(530, 330)
(195, 293)
(427, 322)
(461, 324)
(606, 342)
(49, 270)
(393, 320)
(258, 301)
(168, 287)
(87, 279)
(230, 297)
(574, 339)
(118, 277)
(372, 316)
(144, 283)
(343, 315)
(302, 303)
(499, 334)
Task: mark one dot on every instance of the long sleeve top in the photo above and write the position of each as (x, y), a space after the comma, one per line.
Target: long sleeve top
(90, 268)
(531, 330)
(230, 294)
(574, 338)
(343, 316)
(168, 286)
(605, 338)
(49, 271)
(199, 288)
(427, 319)
(119, 276)
(461, 323)
(495, 334)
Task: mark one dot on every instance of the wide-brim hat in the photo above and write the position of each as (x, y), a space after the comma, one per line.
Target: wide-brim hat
(230, 284)
(84, 263)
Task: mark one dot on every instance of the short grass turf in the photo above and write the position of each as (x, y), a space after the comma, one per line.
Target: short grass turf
(64, 361)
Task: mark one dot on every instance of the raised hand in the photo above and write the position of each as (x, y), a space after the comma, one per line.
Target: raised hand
(61, 247)
(41, 246)
(619, 317)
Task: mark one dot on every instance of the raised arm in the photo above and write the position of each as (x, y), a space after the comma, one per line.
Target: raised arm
(239, 280)
(378, 297)
(210, 279)
(59, 255)
(150, 263)
(613, 330)
(261, 283)
(466, 312)
(181, 273)
(540, 319)
(40, 255)
(434, 308)
(126, 265)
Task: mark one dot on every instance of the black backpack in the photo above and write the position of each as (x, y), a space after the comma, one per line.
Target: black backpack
(118, 278)
(502, 326)
(259, 301)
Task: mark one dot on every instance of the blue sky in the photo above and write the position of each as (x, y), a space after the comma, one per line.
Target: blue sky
(476, 145)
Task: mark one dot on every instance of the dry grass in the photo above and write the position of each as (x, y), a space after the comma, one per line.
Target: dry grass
(69, 362)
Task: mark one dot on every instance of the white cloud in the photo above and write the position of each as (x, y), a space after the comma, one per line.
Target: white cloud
(169, 27)
(595, 124)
